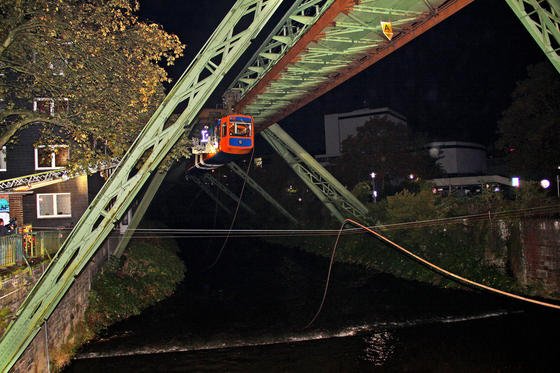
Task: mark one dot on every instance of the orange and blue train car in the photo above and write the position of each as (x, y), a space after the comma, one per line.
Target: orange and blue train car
(234, 135)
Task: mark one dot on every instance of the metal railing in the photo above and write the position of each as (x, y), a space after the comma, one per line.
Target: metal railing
(16, 249)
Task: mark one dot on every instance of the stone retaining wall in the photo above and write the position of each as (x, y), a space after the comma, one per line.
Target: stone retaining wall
(60, 330)
(540, 255)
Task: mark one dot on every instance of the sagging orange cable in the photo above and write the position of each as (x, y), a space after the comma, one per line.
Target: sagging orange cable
(426, 263)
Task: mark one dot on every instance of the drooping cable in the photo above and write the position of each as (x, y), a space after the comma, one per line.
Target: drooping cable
(423, 261)
(234, 215)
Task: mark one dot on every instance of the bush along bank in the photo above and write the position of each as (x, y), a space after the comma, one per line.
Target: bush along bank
(482, 245)
(147, 272)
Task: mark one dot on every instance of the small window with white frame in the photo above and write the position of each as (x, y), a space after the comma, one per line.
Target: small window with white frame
(3, 165)
(54, 205)
(50, 106)
(61, 105)
(51, 157)
(43, 105)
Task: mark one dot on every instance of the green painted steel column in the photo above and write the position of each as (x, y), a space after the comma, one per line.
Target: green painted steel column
(253, 184)
(228, 42)
(326, 187)
(141, 209)
(237, 199)
(209, 192)
(542, 19)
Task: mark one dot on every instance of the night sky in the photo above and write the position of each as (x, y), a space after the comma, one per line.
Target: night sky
(452, 82)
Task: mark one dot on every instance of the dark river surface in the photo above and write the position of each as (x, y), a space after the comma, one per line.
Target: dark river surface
(247, 314)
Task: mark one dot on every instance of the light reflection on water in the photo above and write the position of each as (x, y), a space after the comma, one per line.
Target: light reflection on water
(379, 339)
(380, 347)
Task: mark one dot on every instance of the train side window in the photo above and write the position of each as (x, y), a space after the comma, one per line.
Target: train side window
(240, 129)
(224, 124)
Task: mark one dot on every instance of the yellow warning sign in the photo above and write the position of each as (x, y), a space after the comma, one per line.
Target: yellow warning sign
(387, 29)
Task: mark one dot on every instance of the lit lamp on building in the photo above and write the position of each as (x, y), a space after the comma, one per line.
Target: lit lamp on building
(515, 182)
(373, 191)
(558, 182)
(545, 183)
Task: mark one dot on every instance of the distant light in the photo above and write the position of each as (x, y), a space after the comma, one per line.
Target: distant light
(411, 176)
(375, 193)
(545, 183)
(372, 175)
(515, 182)
(497, 189)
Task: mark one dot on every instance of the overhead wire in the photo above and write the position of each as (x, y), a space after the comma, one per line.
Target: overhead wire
(423, 261)
(241, 233)
(234, 215)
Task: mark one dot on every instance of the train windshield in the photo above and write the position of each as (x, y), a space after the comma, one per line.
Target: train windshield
(241, 129)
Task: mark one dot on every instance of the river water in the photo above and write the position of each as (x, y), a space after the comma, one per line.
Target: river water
(248, 313)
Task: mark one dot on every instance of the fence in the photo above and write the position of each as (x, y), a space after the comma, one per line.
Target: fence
(16, 249)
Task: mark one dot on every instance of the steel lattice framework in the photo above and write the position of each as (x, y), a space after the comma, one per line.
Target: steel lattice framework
(253, 184)
(41, 179)
(542, 19)
(289, 72)
(318, 45)
(186, 98)
(340, 202)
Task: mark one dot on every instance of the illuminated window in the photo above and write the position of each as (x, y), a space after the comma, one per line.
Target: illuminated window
(50, 106)
(3, 166)
(54, 205)
(51, 157)
(242, 129)
(44, 105)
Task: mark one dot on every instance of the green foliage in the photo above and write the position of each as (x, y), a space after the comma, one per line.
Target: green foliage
(439, 230)
(362, 191)
(5, 315)
(530, 194)
(389, 149)
(529, 127)
(100, 67)
(289, 190)
(147, 273)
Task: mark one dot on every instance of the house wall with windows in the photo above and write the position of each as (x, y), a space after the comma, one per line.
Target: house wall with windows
(56, 205)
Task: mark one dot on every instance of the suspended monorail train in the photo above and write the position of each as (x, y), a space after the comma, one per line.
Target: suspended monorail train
(229, 138)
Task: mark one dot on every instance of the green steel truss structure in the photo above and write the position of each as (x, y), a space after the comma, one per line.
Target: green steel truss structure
(253, 184)
(542, 19)
(291, 69)
(41, 179)
(209, 192)
(340, 202)
(237, 199)
(297, 21)
(139, 211)
(316, 46)
(160, 134)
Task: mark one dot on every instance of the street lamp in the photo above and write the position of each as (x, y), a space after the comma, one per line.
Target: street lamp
(545, 183)
(373, 191)
(558, 182)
